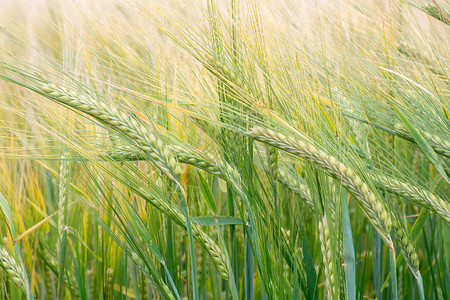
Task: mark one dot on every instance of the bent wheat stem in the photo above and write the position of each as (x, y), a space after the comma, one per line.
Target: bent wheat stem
(374, 207)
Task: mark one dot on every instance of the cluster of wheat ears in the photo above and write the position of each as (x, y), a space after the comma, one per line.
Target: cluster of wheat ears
(225, 150)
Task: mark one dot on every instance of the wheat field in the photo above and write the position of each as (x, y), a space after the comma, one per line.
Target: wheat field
(224, 149)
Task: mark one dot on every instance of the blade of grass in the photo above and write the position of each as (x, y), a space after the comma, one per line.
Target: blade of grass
(248, 266)
(207, 193)
(62, 259)
(184, 208)
(311, 276)
(393, 270)
(349, 251)
(378, 265)
(80, 280)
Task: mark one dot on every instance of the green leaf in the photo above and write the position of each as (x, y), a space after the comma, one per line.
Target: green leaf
(378, 264)
(445, 229)
(418, 225)
(62, 258)
(422, 143)
(311, 276)
(184, 208)
(349, 251)
(248, 267)
(393, 270)
(80, 280)
(207, 193)
(420, 286)
(232, 282)
(7, 212)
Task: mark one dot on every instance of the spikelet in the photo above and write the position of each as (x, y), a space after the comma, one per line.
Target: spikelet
(411, 52)
(143, 286)
(407, 248)
(204, 162)
(227, 72)
(145, 141)
(182, 154)
(333, 210)
(92, 286)
(63, 198)
(325, 241)
(48, 281)
(419, 196)
(199, 261)
(110, 282)
(297, 186)
(13, 270)
(373, 206)
(122, 121)
(273, 161)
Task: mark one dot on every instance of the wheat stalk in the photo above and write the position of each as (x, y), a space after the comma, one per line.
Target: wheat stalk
(380, 217)
(389, 183)
(374, 207)
(147, 142)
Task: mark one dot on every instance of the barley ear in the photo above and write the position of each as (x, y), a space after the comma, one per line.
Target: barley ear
(13, 269)
(375, 209)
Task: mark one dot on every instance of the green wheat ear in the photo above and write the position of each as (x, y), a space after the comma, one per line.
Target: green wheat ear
(374, 207)
(13, 270)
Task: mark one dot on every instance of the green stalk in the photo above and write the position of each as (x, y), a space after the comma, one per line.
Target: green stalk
(233, 242)
(349, 251)
(248, 266)
(393, 269)
(378, 265)
(185, 211)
